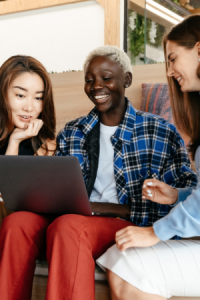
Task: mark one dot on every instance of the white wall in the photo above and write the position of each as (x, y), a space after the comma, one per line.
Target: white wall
(60, 37)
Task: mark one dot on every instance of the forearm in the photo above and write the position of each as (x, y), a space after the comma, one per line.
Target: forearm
(183, 220)
(12, 149)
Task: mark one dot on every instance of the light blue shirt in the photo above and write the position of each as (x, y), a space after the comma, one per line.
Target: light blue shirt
(184, 219)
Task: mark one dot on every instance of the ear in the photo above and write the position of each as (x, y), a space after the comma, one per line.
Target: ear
(127, 79)
(198, 48)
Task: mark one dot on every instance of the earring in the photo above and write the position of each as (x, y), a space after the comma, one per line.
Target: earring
(126, 85)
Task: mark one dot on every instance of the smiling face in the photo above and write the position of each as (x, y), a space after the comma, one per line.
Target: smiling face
(105, 85)
(183, 64)
(25, 98)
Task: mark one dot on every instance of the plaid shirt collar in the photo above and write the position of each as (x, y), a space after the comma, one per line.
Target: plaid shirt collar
(124, 131)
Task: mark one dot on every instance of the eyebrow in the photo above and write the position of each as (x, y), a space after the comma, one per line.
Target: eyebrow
(107, 70)
(23, 89)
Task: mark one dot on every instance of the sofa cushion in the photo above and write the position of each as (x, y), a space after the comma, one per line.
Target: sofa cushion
(155, 100)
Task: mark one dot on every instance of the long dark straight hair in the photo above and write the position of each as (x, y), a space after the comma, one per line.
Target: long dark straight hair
(185, 105)
(12, 68)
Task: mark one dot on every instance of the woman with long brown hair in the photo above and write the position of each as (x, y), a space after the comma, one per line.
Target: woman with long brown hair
(27, 115)
(169, 268)
(27, 127)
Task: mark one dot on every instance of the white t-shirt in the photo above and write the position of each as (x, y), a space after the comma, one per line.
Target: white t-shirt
(105, 186)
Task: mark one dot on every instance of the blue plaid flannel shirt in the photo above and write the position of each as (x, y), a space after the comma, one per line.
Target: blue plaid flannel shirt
(145, 146)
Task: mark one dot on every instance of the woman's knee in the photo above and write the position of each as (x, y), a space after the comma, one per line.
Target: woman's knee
(116, 285)
(122, 290)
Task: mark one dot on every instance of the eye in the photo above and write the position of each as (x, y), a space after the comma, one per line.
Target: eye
(88, 80)
(39, 98)
(172, 60)
(106, 78)
(20, 96)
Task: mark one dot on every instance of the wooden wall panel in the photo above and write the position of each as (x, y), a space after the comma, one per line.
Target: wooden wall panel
(14, 6)
(71, 101)
(112, 23)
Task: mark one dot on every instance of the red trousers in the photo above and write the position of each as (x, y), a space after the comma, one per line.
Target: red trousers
(73, 242)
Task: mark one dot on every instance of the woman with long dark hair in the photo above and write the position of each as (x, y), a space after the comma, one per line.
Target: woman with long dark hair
(27, 127)
(27, 114)
(169, 268)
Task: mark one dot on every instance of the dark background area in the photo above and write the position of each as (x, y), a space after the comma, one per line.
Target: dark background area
(195, 3)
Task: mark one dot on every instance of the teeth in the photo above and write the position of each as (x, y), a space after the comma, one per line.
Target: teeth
(101, 97)
(179, 78)
(25, 117)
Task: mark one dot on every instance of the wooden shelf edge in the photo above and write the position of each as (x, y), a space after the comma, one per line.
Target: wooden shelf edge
(15, 6)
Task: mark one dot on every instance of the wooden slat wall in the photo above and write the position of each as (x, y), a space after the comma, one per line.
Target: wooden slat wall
(112, 22)
(71, 101)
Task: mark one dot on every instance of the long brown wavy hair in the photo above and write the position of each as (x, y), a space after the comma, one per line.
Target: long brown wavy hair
(185, 105)
(12, 68)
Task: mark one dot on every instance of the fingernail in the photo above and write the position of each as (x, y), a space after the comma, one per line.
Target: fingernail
(149, 195)
(143, 197)
(148, 191)
(149, 183)
(144, 186)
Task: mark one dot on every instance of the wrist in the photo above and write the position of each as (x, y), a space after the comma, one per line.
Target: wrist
(13, 147)
(175, 196)
(154, 239)
(13, 141)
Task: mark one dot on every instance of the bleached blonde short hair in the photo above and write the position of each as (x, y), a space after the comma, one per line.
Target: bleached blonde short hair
(113, 53)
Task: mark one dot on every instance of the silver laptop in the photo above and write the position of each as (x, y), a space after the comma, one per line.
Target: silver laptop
(43, 184)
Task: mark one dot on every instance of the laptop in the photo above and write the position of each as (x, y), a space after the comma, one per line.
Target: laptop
(43, 184)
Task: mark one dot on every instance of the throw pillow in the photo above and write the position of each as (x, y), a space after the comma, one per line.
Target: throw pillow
(155, 100)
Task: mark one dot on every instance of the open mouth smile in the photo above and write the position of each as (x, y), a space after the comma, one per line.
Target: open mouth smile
(101, 98)
(25, 118)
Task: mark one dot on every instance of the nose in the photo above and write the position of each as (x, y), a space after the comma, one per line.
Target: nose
(29, 104)
(97, 84)
(170, 71)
